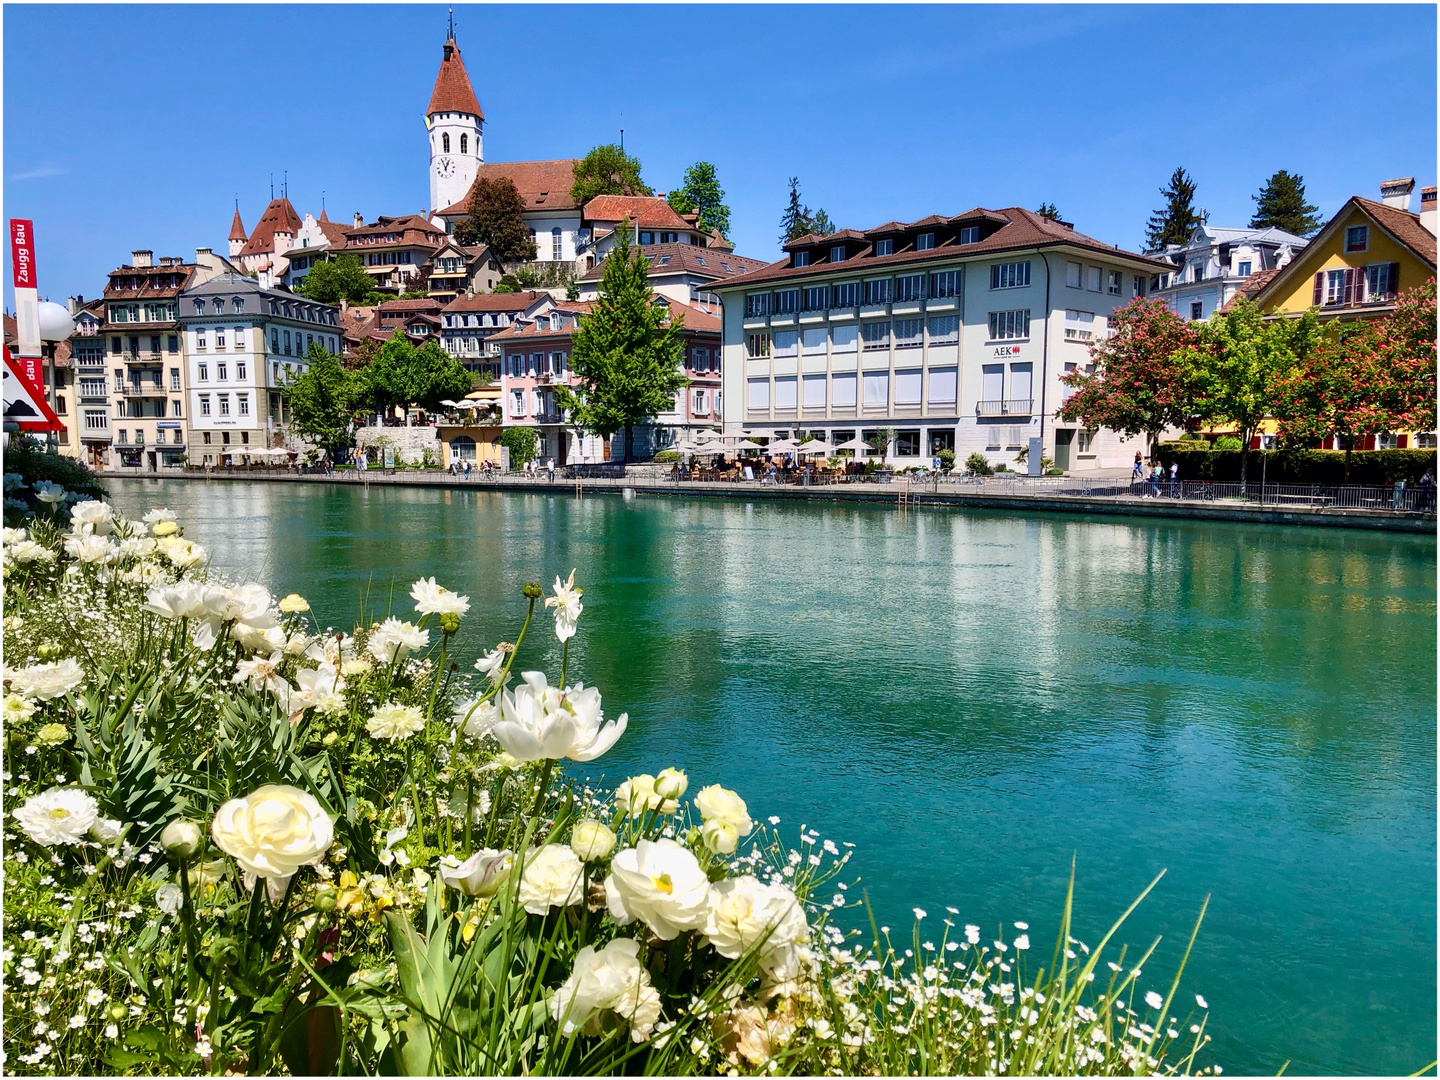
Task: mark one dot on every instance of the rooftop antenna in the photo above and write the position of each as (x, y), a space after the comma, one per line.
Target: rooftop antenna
(285, 184)
(451, 36)
(272, 187)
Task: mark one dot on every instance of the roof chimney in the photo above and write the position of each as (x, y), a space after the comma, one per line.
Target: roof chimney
(74, 304)
(142, 258)
(198, 252)
(1427, 208)
(359, 221)
(1396, 193)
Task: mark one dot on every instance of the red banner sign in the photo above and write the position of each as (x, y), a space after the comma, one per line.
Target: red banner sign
(22, 252)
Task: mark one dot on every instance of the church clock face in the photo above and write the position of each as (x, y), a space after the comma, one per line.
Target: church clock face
(445, 168)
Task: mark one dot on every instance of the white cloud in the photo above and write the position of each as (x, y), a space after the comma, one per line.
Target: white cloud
(40, 173)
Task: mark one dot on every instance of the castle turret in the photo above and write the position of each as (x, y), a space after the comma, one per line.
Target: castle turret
(237, 234)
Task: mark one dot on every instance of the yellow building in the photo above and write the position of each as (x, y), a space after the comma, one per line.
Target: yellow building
(1357, 265)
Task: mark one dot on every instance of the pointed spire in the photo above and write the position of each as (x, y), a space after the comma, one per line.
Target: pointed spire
(453, 92)
(237, 227)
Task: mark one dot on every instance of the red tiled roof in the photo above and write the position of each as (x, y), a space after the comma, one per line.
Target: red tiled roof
(1251, 287)
(388, 307)
(697, 320)
(647, 211)
(1022, 229)
(412, 229)
(686, 258)
(453, 92)
(332, 232)
(516, 301)
(1403, 225)
(237, 228)
(544, 185)
(279, 216)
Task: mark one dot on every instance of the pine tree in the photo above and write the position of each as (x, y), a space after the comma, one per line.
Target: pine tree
(627, 351)
(820, 224)
(1176, 222)
(794, 222)
(1281, 205)
(1048, 211)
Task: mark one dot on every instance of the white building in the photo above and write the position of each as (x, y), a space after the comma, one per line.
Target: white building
(1208, 270)
(953, 331)
(242, 343)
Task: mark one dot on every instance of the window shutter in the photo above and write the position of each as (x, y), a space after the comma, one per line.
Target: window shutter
(1319, 288)
(1393, 288)
(1350, 296)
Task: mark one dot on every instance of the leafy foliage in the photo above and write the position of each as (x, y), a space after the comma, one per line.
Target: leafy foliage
(341, 278)
(702, 194)
(1144, 379)
(322, 400)
(1175, 222)
(1299, 466)
(1281, 205)
(522, 442)
(627, 353)
(403, 375)
(496, 219)
(607, 170)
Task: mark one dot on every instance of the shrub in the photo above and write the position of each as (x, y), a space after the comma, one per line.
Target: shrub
(522, 442)
(977, 464)
(667, 457)
(1367, 467)
(1227, 442)
(947, 460)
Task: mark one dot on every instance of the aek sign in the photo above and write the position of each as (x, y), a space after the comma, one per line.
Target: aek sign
(1005, 352)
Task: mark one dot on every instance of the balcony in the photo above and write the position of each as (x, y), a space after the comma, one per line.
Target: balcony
(141, 390)
(1007, 407)
(549, 418)
(147, 357)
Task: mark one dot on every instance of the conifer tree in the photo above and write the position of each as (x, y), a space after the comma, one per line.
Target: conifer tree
(627, 351)
(1175, 223)
(1281, 205)
(1048, 211)
(701, 194)
(794, 222)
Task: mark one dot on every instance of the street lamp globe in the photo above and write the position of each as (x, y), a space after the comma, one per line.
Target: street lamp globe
(55, 321)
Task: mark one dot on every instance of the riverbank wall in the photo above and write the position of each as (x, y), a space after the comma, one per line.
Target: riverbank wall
(896, 496)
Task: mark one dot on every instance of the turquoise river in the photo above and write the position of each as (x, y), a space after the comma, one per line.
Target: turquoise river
(974, 697)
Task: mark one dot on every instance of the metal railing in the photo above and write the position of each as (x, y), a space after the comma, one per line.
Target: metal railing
(1007, 407)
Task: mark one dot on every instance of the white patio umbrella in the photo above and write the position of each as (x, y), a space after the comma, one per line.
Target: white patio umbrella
(784, 446)
(817, 446)
(746, 444)
(710, 448)
(450, 404)
(684, 447)
(707, 433)
(857, 444)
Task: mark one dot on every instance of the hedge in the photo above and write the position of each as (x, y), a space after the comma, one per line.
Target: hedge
(1367, 467)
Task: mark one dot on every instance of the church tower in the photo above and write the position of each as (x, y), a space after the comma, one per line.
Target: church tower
(237, 234)
(455, 121)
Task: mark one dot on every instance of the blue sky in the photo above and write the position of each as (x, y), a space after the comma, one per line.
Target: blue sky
(130, 127)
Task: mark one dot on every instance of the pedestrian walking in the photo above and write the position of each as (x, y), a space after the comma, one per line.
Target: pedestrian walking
(1427, 492)
(1174, 478)
(467, 468)
(1137, 475)
(1156, 471)
(550, 468)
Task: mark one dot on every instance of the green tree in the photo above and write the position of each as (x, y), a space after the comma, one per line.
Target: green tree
(1281, 205)
(496, 218)
(1049, 211)
(342, 278)
(1240, 361)
(702, 194)
(607, 170)
(627, 351)
(798, 220)
(522, 442)
(1144, 379)
(1175, 222)
(322, 400)
(402, 375)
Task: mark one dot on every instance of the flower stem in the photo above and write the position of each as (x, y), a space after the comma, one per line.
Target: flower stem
(544, 786)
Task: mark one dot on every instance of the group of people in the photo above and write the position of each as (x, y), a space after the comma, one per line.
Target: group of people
(1146, 480)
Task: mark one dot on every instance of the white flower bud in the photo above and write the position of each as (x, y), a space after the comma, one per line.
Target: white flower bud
(181, 838)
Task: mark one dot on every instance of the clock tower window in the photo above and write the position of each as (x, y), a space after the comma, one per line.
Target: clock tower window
(464, 143)
(445, 143)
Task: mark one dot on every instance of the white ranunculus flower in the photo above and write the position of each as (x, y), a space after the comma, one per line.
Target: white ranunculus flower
(204, 605)
(28, 551)
(356, 666)
(169, 898)
(611, 979)
(181, 838)
(18, 709)
(58, 816)
(671, 783)
(47, 681)
(433, 599)
(299, 644)
(395, 722)
(250, 604)
(294, 604)
(744, 912)
(92, 513)
(481, 874)
(591, 840)
(137, 547)
(106, 830)
(394, 640)
(661, 884)
(259, 671)
(185, 555)
(157, 514)
(257, 638)
(637, 796)
(567, 605)
(541, 721)
(726, 818)
(49, 493)
(476, 721)
(91, 549)
(551, 877)
(492, 665)
(273, 832)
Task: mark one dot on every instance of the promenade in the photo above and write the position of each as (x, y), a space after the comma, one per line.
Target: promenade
(1312, 505)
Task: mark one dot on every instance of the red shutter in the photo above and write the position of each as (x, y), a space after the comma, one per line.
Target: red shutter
(1319, 288)
(1402, 441)
(1394, 289)
(1369, 442)
(1350, 296)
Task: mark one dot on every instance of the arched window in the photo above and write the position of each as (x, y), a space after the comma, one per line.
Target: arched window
(445, 142)
(462, 448)
(555, 243)
(464, 143)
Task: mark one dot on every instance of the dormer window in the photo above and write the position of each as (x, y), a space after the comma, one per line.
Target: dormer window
(837, 253)
(925, 241)
(884, 247)
(801, 258)
(970, 234)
